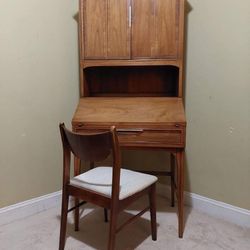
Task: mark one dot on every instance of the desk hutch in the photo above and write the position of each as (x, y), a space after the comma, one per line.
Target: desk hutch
(131, 76)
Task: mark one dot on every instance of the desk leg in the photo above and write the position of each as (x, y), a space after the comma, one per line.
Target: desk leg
(180, 190)
(77, 164)
(172, 170)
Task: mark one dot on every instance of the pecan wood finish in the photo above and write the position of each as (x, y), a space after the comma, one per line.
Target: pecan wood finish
(131, 76)
(97, 147)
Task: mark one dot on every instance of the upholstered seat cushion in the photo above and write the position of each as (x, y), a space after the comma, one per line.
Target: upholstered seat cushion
(100, 180)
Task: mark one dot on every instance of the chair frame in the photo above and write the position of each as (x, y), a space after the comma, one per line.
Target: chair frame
(77, 144)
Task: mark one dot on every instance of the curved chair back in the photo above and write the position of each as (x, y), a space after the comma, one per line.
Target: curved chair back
(88, 147)
(92, 147)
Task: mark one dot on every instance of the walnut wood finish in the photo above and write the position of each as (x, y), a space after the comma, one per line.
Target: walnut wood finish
(157, 21)
(135, 81)
(95, 29)
(131, 76)
(143, 29)
(104, 29)
(180, 187)
(157, 112)
(118, 29)
(97, 147)
(141, 122)
(130, 29)
(152, 36)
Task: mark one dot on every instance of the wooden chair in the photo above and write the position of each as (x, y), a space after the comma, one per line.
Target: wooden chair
(112, 187)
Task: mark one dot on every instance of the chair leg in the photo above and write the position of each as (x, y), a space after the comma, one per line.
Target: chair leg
(76, 215)
(105, 214)
(172, 166)
(77, 168)
(64, 213)
(152, 202)
(112, 229)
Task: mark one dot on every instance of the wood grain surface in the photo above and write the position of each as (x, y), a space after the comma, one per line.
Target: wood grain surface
(130, 111)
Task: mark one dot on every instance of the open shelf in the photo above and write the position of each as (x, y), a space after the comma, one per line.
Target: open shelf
(132, 81)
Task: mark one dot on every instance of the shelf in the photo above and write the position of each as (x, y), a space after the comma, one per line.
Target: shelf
(119, 62)
(132, 81)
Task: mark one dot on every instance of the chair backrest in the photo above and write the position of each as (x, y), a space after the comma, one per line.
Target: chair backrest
(88, 147)
(92, 147)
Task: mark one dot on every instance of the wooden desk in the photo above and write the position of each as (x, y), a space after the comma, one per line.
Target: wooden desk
(141, 122)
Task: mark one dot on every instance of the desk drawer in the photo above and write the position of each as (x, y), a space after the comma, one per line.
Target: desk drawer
(145, 137)
(153, 138)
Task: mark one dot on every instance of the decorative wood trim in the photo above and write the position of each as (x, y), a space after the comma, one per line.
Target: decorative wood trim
(125, 62)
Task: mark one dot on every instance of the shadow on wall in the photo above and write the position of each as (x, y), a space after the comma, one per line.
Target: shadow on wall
(188, 9)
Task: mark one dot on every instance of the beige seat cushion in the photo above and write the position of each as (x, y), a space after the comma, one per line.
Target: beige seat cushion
(100, 180)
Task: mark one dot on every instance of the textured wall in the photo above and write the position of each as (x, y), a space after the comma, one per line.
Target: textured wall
(38, 89)
(218, 100)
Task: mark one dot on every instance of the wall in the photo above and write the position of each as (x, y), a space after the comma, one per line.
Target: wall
(39, 88)
(218, 100)
(217, 103)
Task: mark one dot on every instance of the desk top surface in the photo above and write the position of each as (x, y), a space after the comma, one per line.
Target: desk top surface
(129, 111)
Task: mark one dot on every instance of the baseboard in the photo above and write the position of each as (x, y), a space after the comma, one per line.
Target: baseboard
(218, 209)
(212, 207)
(30, 207)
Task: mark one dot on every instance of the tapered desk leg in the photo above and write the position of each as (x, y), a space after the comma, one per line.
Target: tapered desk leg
(172, 167)
(180, 190)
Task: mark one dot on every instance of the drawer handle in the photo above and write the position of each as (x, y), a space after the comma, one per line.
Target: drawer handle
(130, 130)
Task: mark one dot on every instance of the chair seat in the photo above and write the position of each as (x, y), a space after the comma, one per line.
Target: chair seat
(99, 180)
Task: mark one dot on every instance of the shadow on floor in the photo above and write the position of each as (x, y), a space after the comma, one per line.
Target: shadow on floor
(94, 231)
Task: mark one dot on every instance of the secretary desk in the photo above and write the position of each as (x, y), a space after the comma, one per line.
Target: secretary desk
(131, 76)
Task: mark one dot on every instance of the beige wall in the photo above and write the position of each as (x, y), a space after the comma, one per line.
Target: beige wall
(39, 88)
(218, 100)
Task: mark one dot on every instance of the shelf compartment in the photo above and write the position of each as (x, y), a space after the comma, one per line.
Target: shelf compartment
(132, 81)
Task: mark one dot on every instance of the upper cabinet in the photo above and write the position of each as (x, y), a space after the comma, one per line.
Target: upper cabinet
(154, 28)
(105, 29)
(130, 29)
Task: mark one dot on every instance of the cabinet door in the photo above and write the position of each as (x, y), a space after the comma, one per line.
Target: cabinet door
(118, 29)
(143, 31)
(154, 28)
(166, 28)
(106, 32)
(94, 37)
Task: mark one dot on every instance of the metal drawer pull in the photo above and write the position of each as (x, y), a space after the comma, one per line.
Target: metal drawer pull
(129, 16)
(129, 130)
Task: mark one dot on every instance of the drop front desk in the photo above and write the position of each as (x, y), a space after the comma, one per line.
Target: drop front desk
(131, 76)
(142, 123)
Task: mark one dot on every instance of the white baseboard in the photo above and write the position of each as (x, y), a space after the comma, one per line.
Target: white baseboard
(30, 207)
(218, 209)
(215, 208)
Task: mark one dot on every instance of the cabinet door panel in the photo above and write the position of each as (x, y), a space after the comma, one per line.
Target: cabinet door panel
(155, 29)
(107, 33)
(142, 28)
(118, 29)
(166, 28)
(95, 29)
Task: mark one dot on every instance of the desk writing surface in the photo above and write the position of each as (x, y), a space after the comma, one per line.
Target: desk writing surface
(156, 111)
